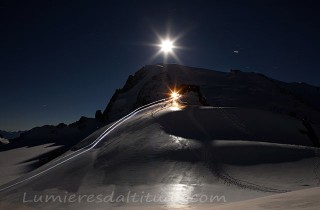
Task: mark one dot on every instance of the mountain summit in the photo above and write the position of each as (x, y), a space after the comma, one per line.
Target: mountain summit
(234, 88)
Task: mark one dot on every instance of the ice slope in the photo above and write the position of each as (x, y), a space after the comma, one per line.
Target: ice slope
(180, 153)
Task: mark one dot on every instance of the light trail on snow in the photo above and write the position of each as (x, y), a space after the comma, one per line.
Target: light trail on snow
(91, 145)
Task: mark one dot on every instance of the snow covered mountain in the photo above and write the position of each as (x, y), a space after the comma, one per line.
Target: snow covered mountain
(234, 88)
(151, 83)
(225, 89)
(255, 137)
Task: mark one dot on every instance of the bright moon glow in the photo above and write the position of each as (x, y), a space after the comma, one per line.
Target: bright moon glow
(166, 46)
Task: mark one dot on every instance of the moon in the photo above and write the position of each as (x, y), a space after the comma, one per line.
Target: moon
(166, 46)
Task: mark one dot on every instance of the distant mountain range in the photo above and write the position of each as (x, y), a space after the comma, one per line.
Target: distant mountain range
(10, 135)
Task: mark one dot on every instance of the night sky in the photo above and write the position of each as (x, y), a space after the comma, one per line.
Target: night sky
(60, 60)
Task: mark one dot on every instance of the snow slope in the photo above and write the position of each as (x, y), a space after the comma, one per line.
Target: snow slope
(180, 153)
(32, 146)
(14, 163)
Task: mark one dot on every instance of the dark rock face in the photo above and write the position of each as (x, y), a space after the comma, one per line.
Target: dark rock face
(130, 83)
(99, 116)
(310, 132)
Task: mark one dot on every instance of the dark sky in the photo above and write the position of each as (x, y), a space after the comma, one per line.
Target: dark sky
(63, 59)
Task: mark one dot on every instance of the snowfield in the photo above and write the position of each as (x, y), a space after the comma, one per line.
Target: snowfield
(178, 156)
(14, 163)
